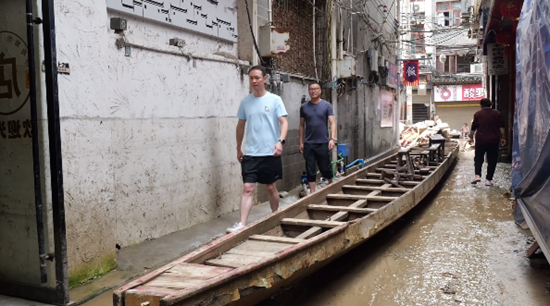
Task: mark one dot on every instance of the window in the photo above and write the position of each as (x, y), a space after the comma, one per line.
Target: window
(448, 13)
(417, 39)
(462, 65)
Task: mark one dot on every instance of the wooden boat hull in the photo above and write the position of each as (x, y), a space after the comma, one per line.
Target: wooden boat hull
(252, 283)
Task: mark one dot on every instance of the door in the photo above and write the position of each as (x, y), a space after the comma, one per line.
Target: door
(32, 261)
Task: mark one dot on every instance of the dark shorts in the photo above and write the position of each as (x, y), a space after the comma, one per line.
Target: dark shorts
(317, 153)
(261, 169)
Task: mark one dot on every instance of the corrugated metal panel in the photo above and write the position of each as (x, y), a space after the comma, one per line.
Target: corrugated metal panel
(456, 114)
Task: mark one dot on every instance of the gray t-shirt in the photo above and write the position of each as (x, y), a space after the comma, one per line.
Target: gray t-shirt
(316, 118)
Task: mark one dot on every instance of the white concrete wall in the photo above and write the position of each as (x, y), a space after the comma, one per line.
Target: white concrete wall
(19, 261)
(148, 140)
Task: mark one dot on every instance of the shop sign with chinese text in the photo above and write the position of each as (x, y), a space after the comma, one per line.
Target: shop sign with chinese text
(466, 92)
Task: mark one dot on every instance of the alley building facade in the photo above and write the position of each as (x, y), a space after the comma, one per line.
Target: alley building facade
(122, 129)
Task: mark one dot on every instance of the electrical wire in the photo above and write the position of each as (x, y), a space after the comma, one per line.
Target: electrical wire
(252, 32)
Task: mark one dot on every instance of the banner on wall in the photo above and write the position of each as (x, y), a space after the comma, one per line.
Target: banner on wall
(410, 73)
(392, 75)
(452, 93)
(386, 108)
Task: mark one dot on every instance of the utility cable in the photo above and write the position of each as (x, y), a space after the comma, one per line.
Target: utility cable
(252, 32)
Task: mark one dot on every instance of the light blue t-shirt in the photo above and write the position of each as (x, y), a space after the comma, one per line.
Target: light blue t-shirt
(262, 122)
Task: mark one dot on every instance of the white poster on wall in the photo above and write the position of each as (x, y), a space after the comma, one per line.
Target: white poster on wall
(386, 106)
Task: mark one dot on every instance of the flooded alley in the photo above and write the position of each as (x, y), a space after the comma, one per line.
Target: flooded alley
(460, 246)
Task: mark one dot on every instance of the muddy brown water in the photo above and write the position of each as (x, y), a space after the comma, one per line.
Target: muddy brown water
(460, 246)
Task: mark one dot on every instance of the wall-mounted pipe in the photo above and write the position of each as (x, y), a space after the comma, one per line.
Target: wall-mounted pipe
(56, 168)
(35, 145)
(355, 162)
(314, 53)
(270, 13)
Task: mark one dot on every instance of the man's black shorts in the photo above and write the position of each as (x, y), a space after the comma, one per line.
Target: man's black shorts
(317, 153)
(261, 169)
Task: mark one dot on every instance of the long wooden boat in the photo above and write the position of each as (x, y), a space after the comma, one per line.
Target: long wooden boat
(245, 267)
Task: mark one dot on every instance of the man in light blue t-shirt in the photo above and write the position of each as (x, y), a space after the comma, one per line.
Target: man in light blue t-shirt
(264, 116)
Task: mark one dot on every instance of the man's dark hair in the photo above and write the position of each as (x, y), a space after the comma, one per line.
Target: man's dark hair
(314, 83)
(485, 102)
(258, 67)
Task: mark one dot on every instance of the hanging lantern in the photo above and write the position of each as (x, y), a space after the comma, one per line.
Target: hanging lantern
(511, 9)
(505, 38)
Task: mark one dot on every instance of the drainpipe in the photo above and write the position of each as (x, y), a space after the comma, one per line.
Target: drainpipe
(334, 69)
(269, 13)
(56, 169)
(255, 59)
(35, 145)
(314, 55)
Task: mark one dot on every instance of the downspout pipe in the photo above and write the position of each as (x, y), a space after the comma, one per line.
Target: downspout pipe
(56, 168)
(35, 144)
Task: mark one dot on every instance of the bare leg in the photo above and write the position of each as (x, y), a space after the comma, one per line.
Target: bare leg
(246, 201)
(273, 196)
(311, 187)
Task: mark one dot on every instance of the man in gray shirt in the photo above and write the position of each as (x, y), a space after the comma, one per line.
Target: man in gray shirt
(316, 146)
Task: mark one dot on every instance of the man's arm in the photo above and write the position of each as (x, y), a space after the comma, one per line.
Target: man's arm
(284, 126)
(302, 128)
(332, 126)
(473, 128)
(240, 135)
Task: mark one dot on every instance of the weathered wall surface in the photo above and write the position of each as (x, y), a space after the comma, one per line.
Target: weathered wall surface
(359, 108)
(19, 254)
(148, 140)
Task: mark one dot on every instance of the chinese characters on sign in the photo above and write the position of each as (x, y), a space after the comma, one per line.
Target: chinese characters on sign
(497, 62)
(211, 17)
(15, 129)
(14, 83)
(410, 73)
(466, 92)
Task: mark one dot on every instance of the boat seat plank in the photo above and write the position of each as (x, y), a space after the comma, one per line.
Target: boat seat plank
(172, 281)
(377, 181)
(184, 275)
(434, 147)
(233, 260)
(368, 188)
(316, 230)
(374, 193)
(404, 150)
(359, 204)
(308, 222)
(276, 239)
(359, 197)
(191, 270)
(258, 248)
(339, 216)
(341, 208)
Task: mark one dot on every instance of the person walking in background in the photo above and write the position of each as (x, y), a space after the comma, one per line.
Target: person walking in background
(315, 144)
(488, 128)
(264, 115)
(464, 131)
